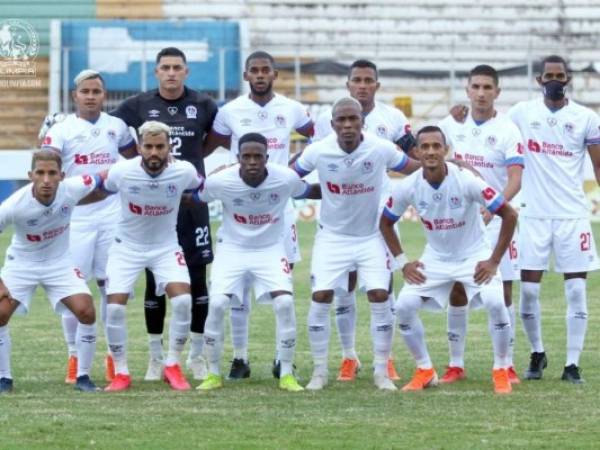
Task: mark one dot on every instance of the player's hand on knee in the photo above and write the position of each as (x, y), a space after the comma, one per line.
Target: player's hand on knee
(412, 274)
(485, 271)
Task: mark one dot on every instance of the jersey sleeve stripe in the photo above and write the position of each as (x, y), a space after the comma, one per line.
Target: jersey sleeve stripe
(299, 170)
(390, 215)
(402, 164)
(592, 141)
(496, 204)
(220, 134)
(515, 161)
(127, 146)
(305, 193)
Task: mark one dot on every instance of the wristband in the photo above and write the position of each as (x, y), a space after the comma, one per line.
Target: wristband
(401, 260)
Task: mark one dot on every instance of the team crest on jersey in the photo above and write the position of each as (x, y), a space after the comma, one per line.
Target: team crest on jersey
(367, 167)
(134, 189)
(348, 162)
(172, 110)
(48, 212)
(191, 112)
(246, 122)
(112, 135)
(535, 125)
(569, 128)
(153, 184)
(274, 198)
(455, 202)
(95, 132)
(280, 121)
(32, 222)
(238, 202)
(262, 115)
(437, 197)
(492, 141)
(153, 113)
(476, 131)
(551, 121)
(332, 167)
(171, 190)
(255, 196)
(381, 131)
(64, 210)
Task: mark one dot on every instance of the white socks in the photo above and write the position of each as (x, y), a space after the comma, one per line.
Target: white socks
(345, 319)
(498, 325)
(116, 334)
(155, 345)
(214, 332)
(240, 317)
(196, 345)
(575, 293)
(318, 334)
(513, 325)
(457, 331)
(5, 350)
(531, 314)
(179, 327)
(86, 348)
(285, 316)
(69, 324)
(412, 330)
(382, 331)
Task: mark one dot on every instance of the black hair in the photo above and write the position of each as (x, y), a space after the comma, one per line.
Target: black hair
(553, 59)
(253, 137)
(363, 63)
(170, 51)
(259, 54)
(484, 70)
(431, 129)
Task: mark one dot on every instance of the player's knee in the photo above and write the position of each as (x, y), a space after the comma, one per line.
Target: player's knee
(494, 303)
(406, 308)
(377, 295)
(86, 314)
(218, 305)
(529, 294)
(323, 296)
(283, 305)
(115, 313)
(182, 306)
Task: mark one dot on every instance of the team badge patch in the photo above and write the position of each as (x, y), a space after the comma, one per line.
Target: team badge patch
(64, 210)
(367, 167)
(381, 131)
(112, 135)
(172, 110)
(569, 128)
(455, 202)
(492, 141)
(262, 115)
(191, 112)
(274, 198)
(280, 121)
(171, 190)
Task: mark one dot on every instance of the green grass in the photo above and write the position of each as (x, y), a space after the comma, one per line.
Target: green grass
(44, 413)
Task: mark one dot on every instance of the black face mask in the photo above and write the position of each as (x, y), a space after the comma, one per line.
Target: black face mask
(554, 90)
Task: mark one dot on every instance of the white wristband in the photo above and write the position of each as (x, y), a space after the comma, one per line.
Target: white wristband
(401, 260)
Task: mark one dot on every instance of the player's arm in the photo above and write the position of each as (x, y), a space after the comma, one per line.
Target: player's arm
(594, 151)
(399, 162)
(215, 140)
(310, 191)
(129, 151)
(513, 185)
(307, 130)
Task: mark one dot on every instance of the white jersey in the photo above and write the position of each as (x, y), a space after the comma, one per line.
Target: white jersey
(450, 214)
(149, 205)
(384, 121)
(351, 183)
(274, 120)
(253, 216)
(490, 147)
(555, 147)
(42, 232)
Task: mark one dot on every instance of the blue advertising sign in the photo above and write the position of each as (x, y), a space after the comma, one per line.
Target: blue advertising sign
(119, 48)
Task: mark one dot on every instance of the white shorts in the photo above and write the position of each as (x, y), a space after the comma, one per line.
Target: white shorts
(441, 276)
(509, 264)
(59, 278)
(290, 236)
(334, 256)
(571, 241)
(234, 267)
(125, 263)
(89, 243)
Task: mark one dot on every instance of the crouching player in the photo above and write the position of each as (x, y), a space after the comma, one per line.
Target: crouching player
(251, 249)
(38, 254)
(448, 201)
(150, 188)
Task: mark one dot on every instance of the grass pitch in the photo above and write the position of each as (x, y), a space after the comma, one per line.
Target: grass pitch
(43, 412)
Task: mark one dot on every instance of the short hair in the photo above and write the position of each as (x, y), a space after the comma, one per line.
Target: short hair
(363, 63)
(554, 59)
(259, 54)
(431, 129)
(170, 51)
(484, 70)
(345, 101)
(87, 74)
(153, 128)
(46, 155)
(253, 137)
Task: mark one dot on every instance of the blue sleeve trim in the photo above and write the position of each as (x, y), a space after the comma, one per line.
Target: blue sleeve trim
(592, 141)
(402, 164)
(299, 170)
(390, 215)
(496, 204)
(305, 193)
(127, 146)
(515, 161)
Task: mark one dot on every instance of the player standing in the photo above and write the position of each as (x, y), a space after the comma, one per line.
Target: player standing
(388, 123)
(488, 141)
(88, 142)
(38, 254)
(351, 166)
(448, 201)
(251, 249)
(554, 212)
(190, 115)
(275, 117)
(150, 188)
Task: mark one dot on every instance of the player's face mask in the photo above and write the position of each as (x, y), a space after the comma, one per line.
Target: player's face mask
(554, 89)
